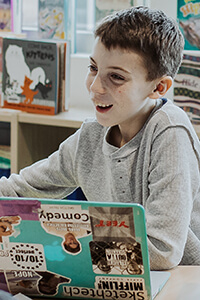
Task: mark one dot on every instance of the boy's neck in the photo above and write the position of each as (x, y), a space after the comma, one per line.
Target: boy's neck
(115, 137)
(118, 137)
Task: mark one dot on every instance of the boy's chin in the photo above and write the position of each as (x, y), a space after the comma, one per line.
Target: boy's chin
(104, 123)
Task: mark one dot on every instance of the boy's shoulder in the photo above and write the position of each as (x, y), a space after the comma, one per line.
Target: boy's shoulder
(91, 124)
(169, 114)
(92, 128)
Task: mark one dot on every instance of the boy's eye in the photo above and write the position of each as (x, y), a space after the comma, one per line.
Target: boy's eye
(92, 68)
(117, 77)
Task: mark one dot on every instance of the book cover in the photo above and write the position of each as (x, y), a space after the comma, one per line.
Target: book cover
(1, 68)
(188, 14)
(76, 250)
(56, 20)
(106, 7)
(6, 15)
(187, 85)
(51, 19)
(30, 75)
(64, 97)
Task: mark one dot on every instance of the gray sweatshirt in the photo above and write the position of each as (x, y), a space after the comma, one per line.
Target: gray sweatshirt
(158, 168)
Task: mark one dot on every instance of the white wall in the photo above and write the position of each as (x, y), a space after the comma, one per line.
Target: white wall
(79, 63)
(78, 71)
(168, 6)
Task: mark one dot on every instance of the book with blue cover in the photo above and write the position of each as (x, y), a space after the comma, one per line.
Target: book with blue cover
(74, 249)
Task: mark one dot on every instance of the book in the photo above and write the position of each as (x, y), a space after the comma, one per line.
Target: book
(64, 76)
(187, 85)
(1, 68)
(30, 75)
(106, 7)
(188, 14)
(5, 160)
(6, 15)
(56, 20)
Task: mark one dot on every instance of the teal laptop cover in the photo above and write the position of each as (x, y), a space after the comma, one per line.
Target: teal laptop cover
(73, 249)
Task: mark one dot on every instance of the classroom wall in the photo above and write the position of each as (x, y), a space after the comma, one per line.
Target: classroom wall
(168, 6)
(79, 63)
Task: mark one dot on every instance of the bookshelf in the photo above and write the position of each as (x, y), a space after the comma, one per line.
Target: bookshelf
(34, 137)
(10, 116)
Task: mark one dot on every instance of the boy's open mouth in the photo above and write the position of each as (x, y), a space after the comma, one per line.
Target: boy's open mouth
(103, 107)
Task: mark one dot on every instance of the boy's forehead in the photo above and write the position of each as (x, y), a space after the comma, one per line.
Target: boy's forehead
(115, 56)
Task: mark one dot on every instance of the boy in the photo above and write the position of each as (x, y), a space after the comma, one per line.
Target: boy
(141, 148)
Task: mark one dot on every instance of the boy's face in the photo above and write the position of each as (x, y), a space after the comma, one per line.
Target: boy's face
(118, 88)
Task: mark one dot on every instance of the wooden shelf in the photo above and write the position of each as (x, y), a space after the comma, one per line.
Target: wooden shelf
(74, 117)
(34, 136)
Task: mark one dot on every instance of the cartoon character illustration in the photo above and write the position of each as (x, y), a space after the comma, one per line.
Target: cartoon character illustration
(5, 19)
(18, 72)
(52, 23)
(191, 29)
(27, 92)
(16, 66)
(49, 282)
(44, 88)
(6, 228)
(37, 76)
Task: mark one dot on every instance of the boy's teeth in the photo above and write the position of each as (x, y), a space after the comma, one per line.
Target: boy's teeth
(103, 105)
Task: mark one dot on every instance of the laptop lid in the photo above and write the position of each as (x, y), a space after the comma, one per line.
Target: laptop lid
(74, 249)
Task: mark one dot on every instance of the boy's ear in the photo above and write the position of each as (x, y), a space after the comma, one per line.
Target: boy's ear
(161, 88)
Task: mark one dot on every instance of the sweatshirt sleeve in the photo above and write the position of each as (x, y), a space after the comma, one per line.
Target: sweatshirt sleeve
(52, 177)
(173, 186)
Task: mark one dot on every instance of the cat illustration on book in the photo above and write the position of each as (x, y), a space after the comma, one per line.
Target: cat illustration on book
(27, 92)
(44, 88)
(18, 69)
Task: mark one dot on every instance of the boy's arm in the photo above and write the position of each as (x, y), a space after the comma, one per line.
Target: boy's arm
(45, 178)
(173, 189)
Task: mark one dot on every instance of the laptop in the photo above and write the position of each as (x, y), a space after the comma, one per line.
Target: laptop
(75, 250)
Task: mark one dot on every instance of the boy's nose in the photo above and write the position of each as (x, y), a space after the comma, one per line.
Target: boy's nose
(97, 85)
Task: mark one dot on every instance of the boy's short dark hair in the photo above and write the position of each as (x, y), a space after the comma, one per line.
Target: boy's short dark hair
(148, 32)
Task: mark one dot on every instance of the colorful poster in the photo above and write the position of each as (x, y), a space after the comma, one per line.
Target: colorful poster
(188, 14)
(6, 17)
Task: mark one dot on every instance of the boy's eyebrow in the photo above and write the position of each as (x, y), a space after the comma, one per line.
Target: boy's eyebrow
(92, 59)
(119, 68)
(111, 67)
